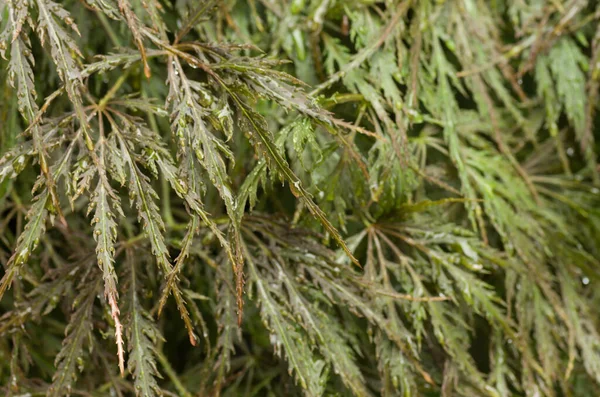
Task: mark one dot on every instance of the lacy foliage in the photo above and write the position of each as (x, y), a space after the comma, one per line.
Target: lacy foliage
(299, 197)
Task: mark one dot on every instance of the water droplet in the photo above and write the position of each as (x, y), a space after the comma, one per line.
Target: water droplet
(23, 255)
(585, 281)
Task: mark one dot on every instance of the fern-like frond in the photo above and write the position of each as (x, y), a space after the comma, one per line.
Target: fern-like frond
(70, 359)
(142, 337)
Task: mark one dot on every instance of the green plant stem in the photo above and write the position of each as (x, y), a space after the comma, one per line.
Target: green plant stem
(113, 90)
(172, 375)
(109, 30)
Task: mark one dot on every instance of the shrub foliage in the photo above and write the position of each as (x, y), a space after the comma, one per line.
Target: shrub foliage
(299, 197)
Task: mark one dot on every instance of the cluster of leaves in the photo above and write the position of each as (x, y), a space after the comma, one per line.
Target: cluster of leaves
(380, 197)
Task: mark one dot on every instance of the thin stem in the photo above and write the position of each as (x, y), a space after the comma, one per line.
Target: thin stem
(172, 375)
(113, 90)
(109, 30)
